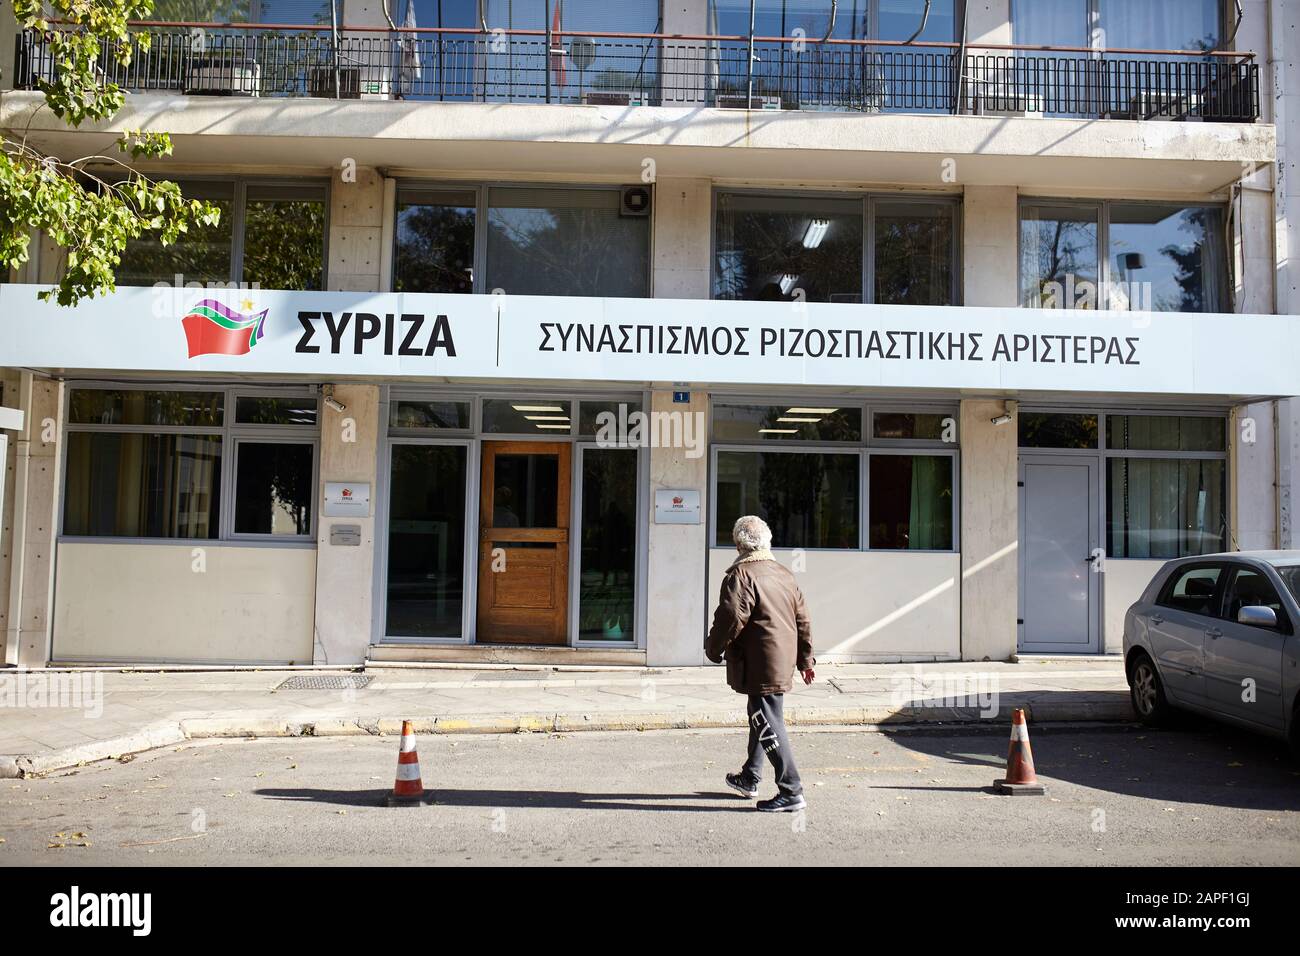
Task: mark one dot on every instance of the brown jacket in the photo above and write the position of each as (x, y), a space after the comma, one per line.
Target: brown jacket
(761, 626)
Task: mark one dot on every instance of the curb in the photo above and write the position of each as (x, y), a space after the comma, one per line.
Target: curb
(199, 728)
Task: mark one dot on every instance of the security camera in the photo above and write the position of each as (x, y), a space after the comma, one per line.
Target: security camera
(1007, 416)
(328, 392)
(1002, 419)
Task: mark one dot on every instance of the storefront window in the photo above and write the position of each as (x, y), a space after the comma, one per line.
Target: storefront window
(914, 426)
(1165, 507)
(1166, 432)
(142, 485)
(609, 420)
(435, 240)
(910, 503)
(791, 421)
(204, 253)
(284, 237)
(810, 499)
(274, 489)
(146, 463)
(606, 590)
(426, 541)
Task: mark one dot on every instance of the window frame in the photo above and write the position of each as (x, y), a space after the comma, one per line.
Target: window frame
(231, 435)
(239, 201)
(868, 201)
(1176, 575)
(1095, 30)
(1223, 288)
(864, 449)
(1285, 626)
(482, 206)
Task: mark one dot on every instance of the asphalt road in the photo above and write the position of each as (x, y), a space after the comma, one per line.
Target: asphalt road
(1199, 795)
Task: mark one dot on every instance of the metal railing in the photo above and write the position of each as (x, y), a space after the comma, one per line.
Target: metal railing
(671, 70)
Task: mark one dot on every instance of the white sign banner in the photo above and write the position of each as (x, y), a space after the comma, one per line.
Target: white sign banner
(406, 335)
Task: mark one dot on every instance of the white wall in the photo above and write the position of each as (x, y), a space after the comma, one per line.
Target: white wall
(148, 602)
(872, 605)
(1122, 584)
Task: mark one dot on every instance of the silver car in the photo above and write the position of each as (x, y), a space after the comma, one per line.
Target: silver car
(1217, 634)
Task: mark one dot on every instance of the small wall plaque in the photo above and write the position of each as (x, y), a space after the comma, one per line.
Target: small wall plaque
(677, 506)
(347, 499)
(348, 535)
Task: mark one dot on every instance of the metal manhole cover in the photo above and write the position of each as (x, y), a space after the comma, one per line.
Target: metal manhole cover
(326, 682)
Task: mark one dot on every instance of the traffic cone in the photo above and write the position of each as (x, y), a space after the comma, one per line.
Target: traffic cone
(1020, 779)
(408, 790)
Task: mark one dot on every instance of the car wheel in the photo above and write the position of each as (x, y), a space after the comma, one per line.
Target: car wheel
(1147, 693)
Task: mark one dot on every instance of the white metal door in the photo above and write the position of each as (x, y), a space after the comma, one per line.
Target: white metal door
(1059, 584)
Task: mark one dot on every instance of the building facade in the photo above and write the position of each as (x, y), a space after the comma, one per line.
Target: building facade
(987, 307)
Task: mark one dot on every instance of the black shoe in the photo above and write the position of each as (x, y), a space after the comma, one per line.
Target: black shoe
(742, 785)
(782, 803)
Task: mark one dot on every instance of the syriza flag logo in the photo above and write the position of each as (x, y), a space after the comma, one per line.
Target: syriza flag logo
(213, 329)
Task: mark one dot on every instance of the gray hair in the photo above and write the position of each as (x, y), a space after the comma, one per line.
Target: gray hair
(751, 533)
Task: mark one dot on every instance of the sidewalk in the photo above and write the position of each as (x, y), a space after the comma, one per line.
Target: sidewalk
(44, 727)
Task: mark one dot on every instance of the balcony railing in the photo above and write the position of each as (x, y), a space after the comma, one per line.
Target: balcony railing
(662, 70)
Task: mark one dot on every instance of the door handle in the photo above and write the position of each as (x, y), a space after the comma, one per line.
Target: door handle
(1157, 619)
(1091, 558)
(1214, 633)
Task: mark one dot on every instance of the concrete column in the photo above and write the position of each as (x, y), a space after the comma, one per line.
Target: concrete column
(990, 533)
(677, 606)
(1252, 457)
(349, 447)
(1288, 473)
(682, 227)
(30, 538)
(356, 230)
(990, 245)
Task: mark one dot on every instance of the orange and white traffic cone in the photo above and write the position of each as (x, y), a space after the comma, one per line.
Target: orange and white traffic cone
(1020, 779)
(408, 790)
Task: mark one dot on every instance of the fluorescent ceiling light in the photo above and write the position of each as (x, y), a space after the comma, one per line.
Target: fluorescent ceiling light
(813, 420)
(547, 418)
(816, 232)
(538, 408)
(810, 411)
(565, 427)
(787, 282)
(778, 431)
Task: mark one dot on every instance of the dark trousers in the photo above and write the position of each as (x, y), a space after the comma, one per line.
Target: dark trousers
(767, 736)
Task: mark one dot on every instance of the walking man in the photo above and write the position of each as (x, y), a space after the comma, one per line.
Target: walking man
(761, 628)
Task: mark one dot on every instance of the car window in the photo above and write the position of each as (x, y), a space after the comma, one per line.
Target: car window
(1192, 589)
(1290, 575)
(1249, 588)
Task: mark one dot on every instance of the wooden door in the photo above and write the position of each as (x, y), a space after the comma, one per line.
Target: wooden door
(523, 564)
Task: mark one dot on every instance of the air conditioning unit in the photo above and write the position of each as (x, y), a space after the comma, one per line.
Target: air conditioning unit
(225, 77)
(320, 83)
(1152, 104)
(998, 100)
(610, 98)
(736, 101)
(634, 202)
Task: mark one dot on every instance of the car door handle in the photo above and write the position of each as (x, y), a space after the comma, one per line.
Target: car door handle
(1214, 633)
(1157, 619)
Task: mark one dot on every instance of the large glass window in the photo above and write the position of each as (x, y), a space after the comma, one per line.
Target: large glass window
(546, 241)
(1122, 24)
(1159, 257)
(435, 240)
(791, 421)
(777, 248)
(1058, 256)
(147, 463)
(142, 485)
(280, 230)
(910, 504)
(1165, 507)
(809, 499)
(539, 241)
(426, 541)
(606, 589)
(1057, 430)
(813, 248)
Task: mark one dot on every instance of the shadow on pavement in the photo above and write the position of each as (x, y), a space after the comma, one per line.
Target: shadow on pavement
(1195, 760)
(538, 799)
